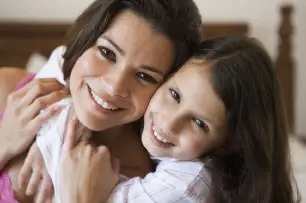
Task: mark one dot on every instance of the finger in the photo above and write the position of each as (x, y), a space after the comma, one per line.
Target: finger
(70, 138)
(45, 192)
(25, 173)
(28, 85)
(39, 89)
(43, 102)
(35, 124)
(34, 182)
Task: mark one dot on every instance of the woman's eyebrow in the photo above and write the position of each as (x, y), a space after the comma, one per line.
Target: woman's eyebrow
(116, 46)
(150, 68)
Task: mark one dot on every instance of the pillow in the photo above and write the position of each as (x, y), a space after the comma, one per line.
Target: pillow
(35, 62)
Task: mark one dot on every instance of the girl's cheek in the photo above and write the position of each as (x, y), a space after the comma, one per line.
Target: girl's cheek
(158, 103)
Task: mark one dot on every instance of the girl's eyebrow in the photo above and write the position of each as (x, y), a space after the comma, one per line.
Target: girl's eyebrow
(116, 46)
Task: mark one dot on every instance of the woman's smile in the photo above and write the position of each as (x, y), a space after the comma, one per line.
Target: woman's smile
(100, 104)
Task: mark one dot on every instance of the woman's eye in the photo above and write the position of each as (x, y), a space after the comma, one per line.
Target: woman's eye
(201, 124)
(106, 53)
(175, 95)
(146, 78)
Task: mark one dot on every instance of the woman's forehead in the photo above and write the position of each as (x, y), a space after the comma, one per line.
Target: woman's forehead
(137, 42)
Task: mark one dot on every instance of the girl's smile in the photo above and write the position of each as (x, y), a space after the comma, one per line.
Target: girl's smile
(161, 139)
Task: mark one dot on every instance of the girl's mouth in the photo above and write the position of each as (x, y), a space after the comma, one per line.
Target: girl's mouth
(158, 139)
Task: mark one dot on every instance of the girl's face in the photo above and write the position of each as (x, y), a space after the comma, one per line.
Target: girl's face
(112, 82)
(185, 118)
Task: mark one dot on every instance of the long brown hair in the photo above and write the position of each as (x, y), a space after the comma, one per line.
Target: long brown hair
(254, 166)
(179, 20)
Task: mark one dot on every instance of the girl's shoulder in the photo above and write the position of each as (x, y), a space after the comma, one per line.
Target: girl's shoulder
(190, 177)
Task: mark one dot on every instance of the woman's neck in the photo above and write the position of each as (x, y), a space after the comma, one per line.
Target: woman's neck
(108, 137)
(124, 142)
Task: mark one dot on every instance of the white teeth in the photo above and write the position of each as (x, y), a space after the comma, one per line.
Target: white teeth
(103, 103)
(160, 138)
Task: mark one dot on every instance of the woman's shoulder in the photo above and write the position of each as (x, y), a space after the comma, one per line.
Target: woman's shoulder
(58, 121)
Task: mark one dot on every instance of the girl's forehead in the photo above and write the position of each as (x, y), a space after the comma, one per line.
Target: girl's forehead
(197, 67)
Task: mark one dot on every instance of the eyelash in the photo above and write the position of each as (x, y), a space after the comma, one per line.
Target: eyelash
(201, 125)
(175, 95)
(144, 77)
(107, 53)
(141, 76)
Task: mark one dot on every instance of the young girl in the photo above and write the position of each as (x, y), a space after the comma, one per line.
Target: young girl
(216, 131)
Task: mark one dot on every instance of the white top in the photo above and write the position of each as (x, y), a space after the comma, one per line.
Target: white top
(173, 180)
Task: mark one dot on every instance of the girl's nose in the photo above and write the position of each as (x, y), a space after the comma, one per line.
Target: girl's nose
(171, 121)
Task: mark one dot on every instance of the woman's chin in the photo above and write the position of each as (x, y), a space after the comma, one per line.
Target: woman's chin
(93, 126)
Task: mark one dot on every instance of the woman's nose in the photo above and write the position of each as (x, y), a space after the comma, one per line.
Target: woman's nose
(115, 83)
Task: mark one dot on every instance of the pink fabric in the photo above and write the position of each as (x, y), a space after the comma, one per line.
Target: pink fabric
(6, 192)
(22, 83)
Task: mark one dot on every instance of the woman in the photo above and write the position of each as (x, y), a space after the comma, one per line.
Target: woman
(160, 36)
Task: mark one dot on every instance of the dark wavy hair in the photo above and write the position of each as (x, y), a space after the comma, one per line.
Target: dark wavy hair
(178, 20)
(254, 166)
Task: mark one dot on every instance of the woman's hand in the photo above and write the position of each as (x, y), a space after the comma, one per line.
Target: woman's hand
(34, 176)
(22, 118)
(87, 173)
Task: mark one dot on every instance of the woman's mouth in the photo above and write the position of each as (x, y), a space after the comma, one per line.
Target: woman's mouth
(101, 105)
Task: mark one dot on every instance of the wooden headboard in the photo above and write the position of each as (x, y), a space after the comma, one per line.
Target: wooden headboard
(19, 41)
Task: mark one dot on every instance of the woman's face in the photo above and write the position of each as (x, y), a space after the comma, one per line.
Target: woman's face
(112, 82)
(185, 118)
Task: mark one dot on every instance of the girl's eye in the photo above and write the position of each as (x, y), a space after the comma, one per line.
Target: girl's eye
(175, 95)
(146, 78)
(201, 124)
(108, 54)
